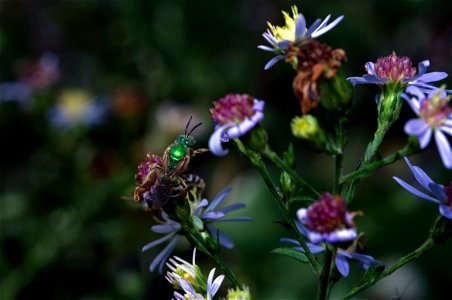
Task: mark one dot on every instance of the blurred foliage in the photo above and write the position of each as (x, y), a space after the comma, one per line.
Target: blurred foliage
(66, 230)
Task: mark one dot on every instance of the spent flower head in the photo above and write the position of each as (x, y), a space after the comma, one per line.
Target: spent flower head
(234, 115)
(327, 220)
(439, 194)
(434, 118)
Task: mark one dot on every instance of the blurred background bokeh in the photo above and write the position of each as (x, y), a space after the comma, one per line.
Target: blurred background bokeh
(87, 88)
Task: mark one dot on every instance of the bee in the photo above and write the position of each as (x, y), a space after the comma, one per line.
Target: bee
(161, 179)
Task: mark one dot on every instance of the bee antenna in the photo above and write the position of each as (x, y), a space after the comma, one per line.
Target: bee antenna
(194, 127)
(188, 124)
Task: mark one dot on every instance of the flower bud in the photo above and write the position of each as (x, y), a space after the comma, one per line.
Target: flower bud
(239, 294)
(307, 127)
(287, 185)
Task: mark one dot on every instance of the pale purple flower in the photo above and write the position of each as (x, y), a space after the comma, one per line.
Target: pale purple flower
(234, 115)
(440, 194)
(294, 32)
(327, 220)
(77, 107)
(392, 69)
(341, 258)
(434, 118)
(171, 230)
(208, 213)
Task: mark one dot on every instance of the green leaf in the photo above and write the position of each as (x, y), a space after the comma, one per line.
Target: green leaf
(290, 252)
(284, 224)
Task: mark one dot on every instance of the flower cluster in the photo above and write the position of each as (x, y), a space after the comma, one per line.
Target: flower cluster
(326, 225)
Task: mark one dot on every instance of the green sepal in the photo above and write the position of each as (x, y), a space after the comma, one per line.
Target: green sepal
(290, 252)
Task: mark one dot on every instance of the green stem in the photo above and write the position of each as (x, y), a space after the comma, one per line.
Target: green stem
(364, 171)
(324, 276)
(256, 159)
(199, 243)
(426, 246)
(370, 152)
(271, 155)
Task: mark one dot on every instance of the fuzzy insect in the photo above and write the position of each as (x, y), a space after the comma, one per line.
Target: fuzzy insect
(164, 179)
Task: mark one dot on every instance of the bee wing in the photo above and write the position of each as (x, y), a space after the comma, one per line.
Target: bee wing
(165, 188)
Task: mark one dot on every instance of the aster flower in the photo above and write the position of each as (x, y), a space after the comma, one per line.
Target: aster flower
(171, 230)
(207, 213)
(77, 107)
(434, 117)
(189, 278)
(327, 220)
(393, 69)
(342, 257)
(441, 194)
(294, 32)
(234, 115)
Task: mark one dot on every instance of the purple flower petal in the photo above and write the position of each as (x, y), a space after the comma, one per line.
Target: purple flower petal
(313, 27)
(201, 204)
(165, 228)
(273, 61)
(341, 235)
(375, 79)
(370, 67)
(218, 199)
(212, 287)
(232, 207)
(163, 255)
(157, 242)
(422, 67)
(444, 149)
(445, 211)
(420, 175)
(323, 29)
(235, 219)
(342, 264)
(430, 77)
(447, 129)
(357, 80)
(215, 141)
(300, 26)
(223, 238)
(414, 191)
(266, 48)
(212, 215)
(416, 127)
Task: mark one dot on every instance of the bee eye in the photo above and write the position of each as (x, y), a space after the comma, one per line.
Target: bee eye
(176, 154)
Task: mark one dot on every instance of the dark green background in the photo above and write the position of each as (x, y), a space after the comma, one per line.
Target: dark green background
(65, 231)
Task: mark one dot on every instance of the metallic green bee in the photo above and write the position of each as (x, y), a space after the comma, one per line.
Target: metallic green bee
(161, 179)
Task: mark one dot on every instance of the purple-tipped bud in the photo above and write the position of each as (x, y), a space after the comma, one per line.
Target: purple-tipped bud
(394, 67)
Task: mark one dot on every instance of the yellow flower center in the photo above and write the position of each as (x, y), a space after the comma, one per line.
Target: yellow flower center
(286, 32)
